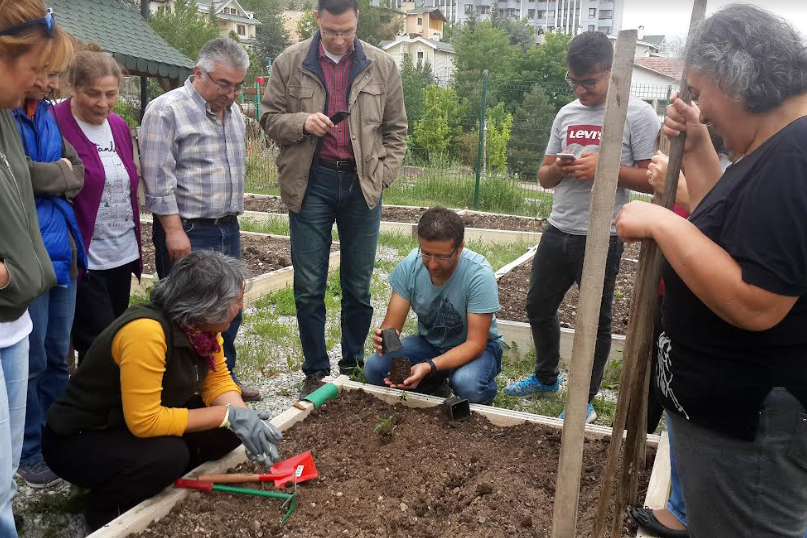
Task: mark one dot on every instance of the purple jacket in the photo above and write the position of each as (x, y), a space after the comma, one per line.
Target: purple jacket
(89, 199)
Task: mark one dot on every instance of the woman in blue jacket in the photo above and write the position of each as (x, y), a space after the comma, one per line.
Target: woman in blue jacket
(57, 175)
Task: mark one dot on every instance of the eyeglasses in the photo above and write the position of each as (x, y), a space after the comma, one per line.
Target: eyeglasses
(344, 35)
(439, 259)
(588, 84)
(48, 21)
(226, 87)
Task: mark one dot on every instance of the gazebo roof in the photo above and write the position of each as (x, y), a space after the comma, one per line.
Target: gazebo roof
(119, 29)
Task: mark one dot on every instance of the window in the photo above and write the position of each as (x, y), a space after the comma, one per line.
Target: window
(605, 29)
(420, 56)
(420, 21)
(592, 27)
(530, 13)
(233, 11)
(606, 14)
(242, 30)
(469, 8)
(541, 13)
(592, 13)
(551, 14)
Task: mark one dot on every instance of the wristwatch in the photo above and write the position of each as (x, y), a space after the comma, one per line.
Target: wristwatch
(433, 366)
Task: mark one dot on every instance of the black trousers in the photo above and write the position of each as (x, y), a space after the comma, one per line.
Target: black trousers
(122, 470)
(101, 297)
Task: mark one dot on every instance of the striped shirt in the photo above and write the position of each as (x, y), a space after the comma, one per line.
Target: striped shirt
(336, 144)
(192, 163)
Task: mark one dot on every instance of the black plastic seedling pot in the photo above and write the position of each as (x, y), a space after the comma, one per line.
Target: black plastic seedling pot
(457, 408)
(390, 341)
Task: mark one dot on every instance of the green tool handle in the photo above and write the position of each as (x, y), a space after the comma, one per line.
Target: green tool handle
(323, 394)
(248, 491)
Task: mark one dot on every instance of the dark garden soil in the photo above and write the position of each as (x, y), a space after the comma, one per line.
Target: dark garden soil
(405, 214)
(398, 472)
(503, 222)
(261, 254)
(266, 204)
(513, 288)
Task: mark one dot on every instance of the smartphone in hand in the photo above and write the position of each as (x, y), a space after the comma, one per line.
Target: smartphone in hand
(339, 116)
(566, 156)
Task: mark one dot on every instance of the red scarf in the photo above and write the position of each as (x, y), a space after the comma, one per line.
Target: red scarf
(205, 344)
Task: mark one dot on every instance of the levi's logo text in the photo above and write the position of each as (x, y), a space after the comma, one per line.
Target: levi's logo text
(585, 135)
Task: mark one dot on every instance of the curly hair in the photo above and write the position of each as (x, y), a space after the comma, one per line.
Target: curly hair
(754, 56)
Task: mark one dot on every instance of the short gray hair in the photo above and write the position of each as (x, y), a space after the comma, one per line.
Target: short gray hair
(201, 288)
(754, 56)
(225, 51)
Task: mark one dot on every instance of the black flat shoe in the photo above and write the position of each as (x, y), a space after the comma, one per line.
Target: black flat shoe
(645, 519)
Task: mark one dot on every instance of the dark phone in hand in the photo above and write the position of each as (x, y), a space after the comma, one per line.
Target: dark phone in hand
(339, 116)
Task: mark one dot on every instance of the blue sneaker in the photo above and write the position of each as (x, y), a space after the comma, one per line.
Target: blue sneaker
(531, 385)
(591, 415)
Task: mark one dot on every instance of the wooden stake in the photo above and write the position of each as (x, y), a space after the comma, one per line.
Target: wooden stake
(638, 344)
(597, 242)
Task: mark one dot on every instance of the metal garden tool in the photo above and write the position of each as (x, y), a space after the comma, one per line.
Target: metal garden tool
(200, 485)
(296, 469)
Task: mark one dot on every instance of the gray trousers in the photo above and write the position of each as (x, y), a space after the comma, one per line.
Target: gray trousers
(743, 489)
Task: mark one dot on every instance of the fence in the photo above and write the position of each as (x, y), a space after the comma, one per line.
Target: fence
(448, 176)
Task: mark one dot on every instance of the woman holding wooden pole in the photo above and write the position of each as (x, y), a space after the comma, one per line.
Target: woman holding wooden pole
(731, 368)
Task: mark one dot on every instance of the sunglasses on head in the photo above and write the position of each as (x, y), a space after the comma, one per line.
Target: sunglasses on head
(48, 21)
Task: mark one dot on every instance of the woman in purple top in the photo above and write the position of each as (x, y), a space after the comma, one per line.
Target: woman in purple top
(106, 209)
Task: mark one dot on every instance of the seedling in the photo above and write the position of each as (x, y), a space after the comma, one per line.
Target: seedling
(385, 427)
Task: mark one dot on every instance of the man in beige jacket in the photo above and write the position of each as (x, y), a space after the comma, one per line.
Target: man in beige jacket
(332, 170)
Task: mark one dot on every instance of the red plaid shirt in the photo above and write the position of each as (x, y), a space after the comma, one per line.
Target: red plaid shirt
(336, 144)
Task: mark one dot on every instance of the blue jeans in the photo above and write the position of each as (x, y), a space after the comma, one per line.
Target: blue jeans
(52, 317)
(557, 265)
(224, 238)
(13, 384)
(675, 504)
(333, 197)
(474, 381)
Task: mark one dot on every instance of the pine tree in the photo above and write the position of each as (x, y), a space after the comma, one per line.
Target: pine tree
(532, 123)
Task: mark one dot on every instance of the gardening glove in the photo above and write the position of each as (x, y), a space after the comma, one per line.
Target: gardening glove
(260, 438)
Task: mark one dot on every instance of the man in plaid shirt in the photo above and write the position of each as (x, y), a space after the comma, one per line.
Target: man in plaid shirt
(334, 171)
(192, 156)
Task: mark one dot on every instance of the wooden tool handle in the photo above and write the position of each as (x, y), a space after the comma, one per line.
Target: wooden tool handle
(229, 478)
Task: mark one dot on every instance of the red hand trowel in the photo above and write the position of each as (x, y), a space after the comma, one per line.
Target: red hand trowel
(281, 473)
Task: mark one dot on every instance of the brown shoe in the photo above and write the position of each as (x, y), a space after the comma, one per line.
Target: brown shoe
(249, 395)
(312, 382)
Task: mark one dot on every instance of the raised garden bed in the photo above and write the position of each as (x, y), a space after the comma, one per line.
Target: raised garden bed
(403, 219)
(419, 476)
(514, 285)
(268, 258)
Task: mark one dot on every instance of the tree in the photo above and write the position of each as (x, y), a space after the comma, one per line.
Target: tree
(415, 79)
(545, 65)
(307, 25)
(271, 36)
(435, 134)
(498, 124)
(377, 24)
(519, 30)
(532, 123)
(483, 47)
(185, 28)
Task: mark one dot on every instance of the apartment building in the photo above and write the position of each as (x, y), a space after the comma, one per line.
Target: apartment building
(567, 16)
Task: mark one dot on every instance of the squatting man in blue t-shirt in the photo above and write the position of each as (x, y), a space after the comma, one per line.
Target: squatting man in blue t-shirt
(453, 292)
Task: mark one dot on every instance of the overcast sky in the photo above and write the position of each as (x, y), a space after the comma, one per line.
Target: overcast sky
(671, 17)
